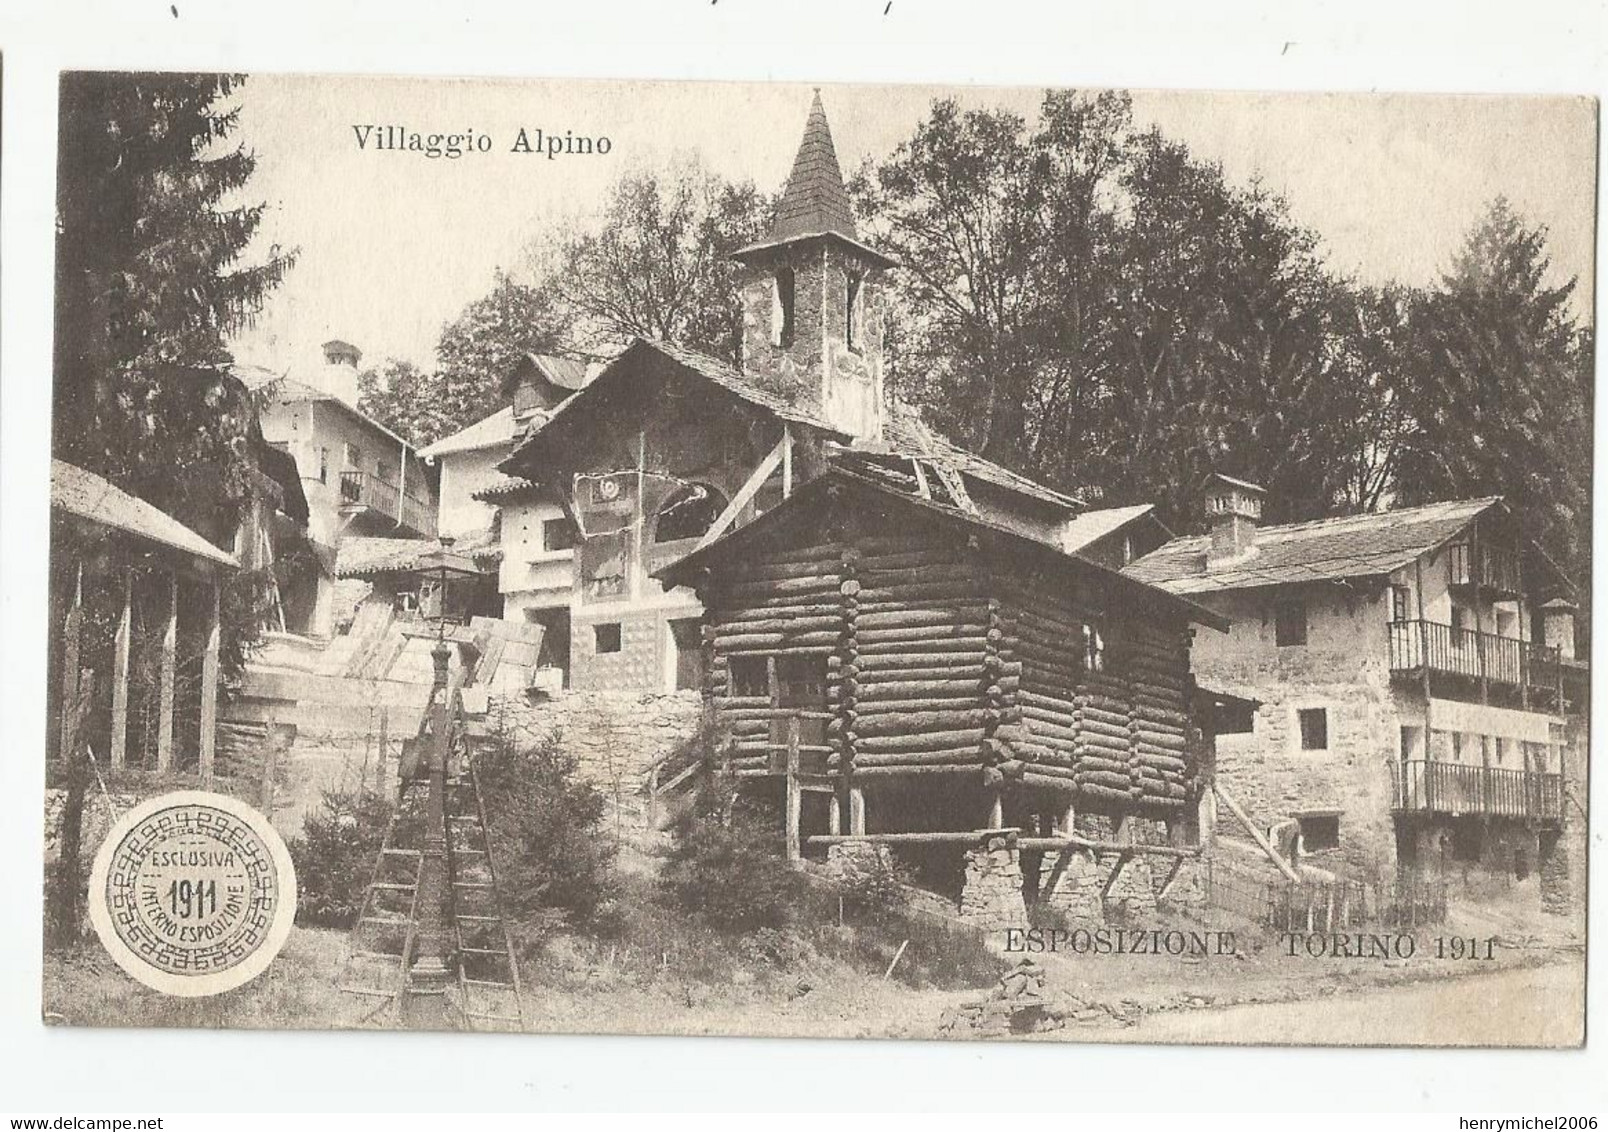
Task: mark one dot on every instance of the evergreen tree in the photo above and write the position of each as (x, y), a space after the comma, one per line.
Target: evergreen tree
(1500, 392)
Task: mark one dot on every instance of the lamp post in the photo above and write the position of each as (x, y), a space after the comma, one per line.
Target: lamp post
(425, 1003)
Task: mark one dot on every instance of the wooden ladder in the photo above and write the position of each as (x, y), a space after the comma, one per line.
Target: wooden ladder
(382, 943)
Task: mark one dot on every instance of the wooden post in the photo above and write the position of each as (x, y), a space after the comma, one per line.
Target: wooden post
(996, 810)
(265, 796)
(170, 662)
(119, 750)
(1069, 819)
(834, 817)
(385, 748)
(795, 796)
(209, 690)
(1206, 816)
(787, 460)
(71, 631)
(857, 811)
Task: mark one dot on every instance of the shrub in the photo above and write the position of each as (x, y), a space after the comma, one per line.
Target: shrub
(554, 864)
(335, 856)
(725, 866)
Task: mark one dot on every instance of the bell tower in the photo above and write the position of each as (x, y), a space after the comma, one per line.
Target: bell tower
(811, 293)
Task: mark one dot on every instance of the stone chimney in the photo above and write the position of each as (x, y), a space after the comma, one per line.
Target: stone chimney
(1558, 625)
(339, 375)
(1233, 509)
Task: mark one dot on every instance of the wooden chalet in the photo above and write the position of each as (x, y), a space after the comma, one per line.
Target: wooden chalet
(909, 668)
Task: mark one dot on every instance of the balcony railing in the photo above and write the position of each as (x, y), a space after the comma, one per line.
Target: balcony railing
(1490, 568)
(1428, 786)
(1415, 645)
(361, 489)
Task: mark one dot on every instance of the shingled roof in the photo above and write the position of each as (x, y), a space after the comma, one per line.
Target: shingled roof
(814, 200)
(1352, 546)
(83, 494)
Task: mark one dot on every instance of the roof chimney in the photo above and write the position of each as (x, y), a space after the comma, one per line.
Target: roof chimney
(339, 376)
(1558, 626)
(1233, 509)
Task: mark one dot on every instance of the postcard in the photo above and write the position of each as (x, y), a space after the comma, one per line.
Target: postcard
(955, 563)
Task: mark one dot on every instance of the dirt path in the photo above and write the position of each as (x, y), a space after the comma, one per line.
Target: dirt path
(1540, 1006)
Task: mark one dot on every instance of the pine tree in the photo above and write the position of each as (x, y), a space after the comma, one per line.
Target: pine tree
(1500, 396)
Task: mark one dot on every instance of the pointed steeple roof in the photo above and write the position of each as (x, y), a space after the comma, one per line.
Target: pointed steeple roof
(815, 200)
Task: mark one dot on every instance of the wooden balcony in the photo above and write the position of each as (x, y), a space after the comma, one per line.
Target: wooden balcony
(1459, 789)
(1472, 656)
(1489, 572)
(383, 508)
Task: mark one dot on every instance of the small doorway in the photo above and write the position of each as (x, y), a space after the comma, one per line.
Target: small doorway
(687, 655)
(554, 651)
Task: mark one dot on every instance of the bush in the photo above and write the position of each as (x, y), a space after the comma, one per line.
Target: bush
(335, 856)
(725, 866)
(554, 864)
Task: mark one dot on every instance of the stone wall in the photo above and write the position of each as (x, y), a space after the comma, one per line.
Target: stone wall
(992, 896)
(1339, 670)
(615, 736)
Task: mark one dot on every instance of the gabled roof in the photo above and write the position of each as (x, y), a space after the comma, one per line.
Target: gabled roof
(360, 557)
(85, 495)
(1024, 548)
(1351, 546)
(1092, 526)
(618, 374)
(566, 373)
(907, 434)
(495, 431)
(287, 389)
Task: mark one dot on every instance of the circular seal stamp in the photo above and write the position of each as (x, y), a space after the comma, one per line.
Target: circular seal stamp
(193, 893)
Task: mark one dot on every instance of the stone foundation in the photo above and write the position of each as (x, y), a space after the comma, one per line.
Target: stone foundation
(615, 736)
(992, 896)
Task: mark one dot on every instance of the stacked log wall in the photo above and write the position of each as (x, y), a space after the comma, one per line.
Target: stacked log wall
(919, 665)
(1115, 734)
(782, 604)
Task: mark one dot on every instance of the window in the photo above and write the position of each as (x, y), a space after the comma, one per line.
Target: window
(558, 534)
(688, 513)
(606, 637)
(382, 469)
(686, 639)
(749, 677)
(1400, 603)
(1459, 625)
(1290, 623)
(1412, 739)
(782, 308)
(1314, 728)
(1457, 746)
(1319, 832)
(354, 457)
(852, 314)
(1093, 648)
(323, 465)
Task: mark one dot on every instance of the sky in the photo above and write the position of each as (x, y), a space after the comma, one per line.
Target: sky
(392, 245)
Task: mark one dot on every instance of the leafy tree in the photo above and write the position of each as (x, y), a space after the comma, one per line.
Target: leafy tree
(475, 355)
(334, 856)
(479, 349)
(1500, 392)
(659, 263)
(1099, 308)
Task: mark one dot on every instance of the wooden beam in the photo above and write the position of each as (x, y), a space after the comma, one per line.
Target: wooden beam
(120, 648)
(168, 678)
(795, 796)
(209, 689)
(1172, 875)
(787, 460)
(71, 632)
(1256, 834)
(745, 494)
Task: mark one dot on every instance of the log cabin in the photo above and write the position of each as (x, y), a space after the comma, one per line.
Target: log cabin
(910, 671)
